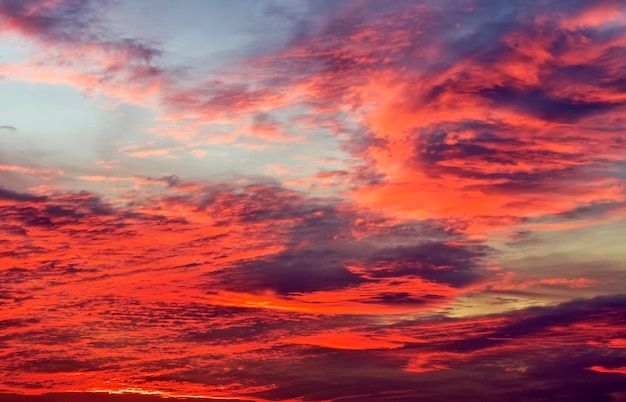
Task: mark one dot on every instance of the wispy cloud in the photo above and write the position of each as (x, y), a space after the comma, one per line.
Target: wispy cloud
(10, 129)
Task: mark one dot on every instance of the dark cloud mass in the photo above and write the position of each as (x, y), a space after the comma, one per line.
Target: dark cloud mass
(537, 103)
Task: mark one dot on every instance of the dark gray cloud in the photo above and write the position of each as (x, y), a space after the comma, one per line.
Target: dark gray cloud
(326, 228)
(611, 310)
(538, 103)
(8, 128)
(293, 271)
(452, 264)
(15, 196)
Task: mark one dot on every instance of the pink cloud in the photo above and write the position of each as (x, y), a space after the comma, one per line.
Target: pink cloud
(43, 173)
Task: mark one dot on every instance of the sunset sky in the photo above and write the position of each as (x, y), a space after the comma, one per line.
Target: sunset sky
(312, 200)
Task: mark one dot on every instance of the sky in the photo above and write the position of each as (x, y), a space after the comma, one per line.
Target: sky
(312, 200)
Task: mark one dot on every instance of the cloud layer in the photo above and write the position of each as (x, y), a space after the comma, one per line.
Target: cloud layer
(416, 200)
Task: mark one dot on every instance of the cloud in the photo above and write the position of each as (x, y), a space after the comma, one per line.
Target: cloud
(292, 272)
(446, 139)
(95, 397)
(325, 271)
(546, 319)
(63, 32)
(45, 174)
(15, 196)
(439, 262)
(484, 109)
(616, 370)
(539, 104)
(9, 129)
(534, 353)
